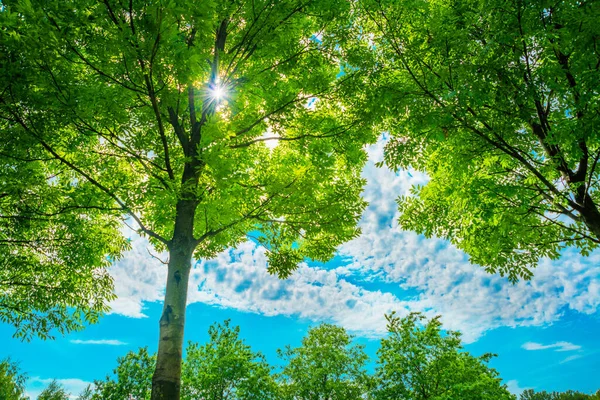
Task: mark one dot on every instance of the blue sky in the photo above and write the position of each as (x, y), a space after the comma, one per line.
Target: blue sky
(544, 331)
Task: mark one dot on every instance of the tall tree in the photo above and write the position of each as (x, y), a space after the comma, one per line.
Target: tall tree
(12, 381)
(422, 362)
(226, 368)
(166, 107)
(497, 101)
(326, 366)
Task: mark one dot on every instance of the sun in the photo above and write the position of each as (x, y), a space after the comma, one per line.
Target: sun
(218, 92)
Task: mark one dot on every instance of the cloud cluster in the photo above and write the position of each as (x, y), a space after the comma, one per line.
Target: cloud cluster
(403, 271)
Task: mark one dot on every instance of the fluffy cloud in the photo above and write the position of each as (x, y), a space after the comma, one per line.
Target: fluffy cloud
(238, 279)
(414, 273)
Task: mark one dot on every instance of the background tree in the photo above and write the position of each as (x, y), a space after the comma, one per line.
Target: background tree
(87, 393)
(132, 378)
(226, 368)
(54, 391)
(165, 107)
(326, 366)
(12, 381)
(497, 101)
(422, 362)
(530, 394)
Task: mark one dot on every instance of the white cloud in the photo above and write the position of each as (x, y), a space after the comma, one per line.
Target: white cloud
(427, 275)
(110, 342)
(558, 346)
(74, 386)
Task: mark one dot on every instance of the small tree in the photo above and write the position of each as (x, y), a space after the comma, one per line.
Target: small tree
(12, 381)
(133, 378)
(226, 368)
(418, 363)
(326, 366)
(54, 391)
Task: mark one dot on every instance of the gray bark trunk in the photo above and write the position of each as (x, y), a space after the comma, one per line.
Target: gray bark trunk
(166, 381)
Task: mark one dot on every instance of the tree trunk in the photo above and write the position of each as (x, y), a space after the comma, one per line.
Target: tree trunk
(166, 381)
(591, 215)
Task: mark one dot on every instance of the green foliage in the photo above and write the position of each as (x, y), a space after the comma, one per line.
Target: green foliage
(226, 368)
(496, 100)
(56, 234)
(114, 105)
(422, 362)
(12, 381)
(326, 366)
(54, 391)
(530, 394)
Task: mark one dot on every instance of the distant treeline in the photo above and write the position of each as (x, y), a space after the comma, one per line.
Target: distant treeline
(417, 360)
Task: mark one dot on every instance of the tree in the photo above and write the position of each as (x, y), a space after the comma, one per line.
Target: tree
(530, 394)
(418, 363)
(12, 381)
(165, 107)
(326, 366)
(226, 368)
(54, 391)
(496, 100)
(133, 378)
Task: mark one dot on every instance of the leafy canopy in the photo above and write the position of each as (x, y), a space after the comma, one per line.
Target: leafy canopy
(497, 101)
(116, 93)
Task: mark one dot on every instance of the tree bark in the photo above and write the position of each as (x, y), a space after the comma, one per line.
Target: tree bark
(591, 215)
(166, 381)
